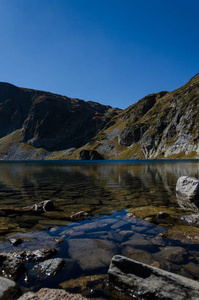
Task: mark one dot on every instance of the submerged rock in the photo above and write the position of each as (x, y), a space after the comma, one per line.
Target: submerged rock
(91, 254)
(188, 187)
(8, 289)
(138, 241)
(85, 284)
(176, 255)
(140, 281)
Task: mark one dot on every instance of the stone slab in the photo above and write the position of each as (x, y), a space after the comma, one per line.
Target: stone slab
(140, 281)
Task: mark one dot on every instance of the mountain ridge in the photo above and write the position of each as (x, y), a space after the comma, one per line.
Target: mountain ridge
(42, 125)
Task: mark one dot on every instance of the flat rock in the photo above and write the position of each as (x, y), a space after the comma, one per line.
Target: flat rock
(140, 281)
(8, 289)
(119, 224)
(91, 254)
(91, 226)
(188, 187)
(51, 294)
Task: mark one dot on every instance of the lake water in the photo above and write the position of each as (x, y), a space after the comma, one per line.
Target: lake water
(121, 204)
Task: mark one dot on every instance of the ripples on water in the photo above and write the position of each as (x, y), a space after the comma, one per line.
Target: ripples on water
(121, 199)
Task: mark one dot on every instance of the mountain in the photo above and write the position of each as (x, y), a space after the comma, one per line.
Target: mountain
(41, 125)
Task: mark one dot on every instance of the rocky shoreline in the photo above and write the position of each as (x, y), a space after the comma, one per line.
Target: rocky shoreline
(98, 253)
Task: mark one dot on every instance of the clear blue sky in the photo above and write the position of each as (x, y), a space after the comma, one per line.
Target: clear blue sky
(110, 51)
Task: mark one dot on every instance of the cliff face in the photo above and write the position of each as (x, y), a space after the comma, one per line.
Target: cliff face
(162, 125)
(170, 125)
(42, 125)
(57, 123)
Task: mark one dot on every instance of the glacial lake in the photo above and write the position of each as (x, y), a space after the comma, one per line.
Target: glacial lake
(101, 209)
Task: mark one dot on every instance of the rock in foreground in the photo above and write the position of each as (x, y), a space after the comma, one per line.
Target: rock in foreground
(51, 294)
(8, 289)
(188, 187)
(140, 281)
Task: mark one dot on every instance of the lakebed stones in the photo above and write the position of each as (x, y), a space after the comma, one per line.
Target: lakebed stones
(140, 281)
(188, 187)
(8, 289)
(51, 294)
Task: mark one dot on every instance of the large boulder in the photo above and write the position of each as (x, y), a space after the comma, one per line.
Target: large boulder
(8, 289)
(188, 187)
(140, 281)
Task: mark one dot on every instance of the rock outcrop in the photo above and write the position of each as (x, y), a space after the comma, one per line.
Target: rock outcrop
(90, 155)
(140, 281)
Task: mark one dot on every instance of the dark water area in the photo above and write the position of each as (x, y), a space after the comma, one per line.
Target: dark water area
(122, 205)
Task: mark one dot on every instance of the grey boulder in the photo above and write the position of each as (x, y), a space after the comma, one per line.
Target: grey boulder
(8, 289)
(188, 187)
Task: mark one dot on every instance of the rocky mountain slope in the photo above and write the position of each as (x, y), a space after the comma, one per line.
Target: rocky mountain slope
(42, 125)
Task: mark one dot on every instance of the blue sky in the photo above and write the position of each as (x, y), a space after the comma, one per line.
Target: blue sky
(110, 51)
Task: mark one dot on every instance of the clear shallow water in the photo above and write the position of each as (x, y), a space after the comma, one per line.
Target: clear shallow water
(107, 192)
